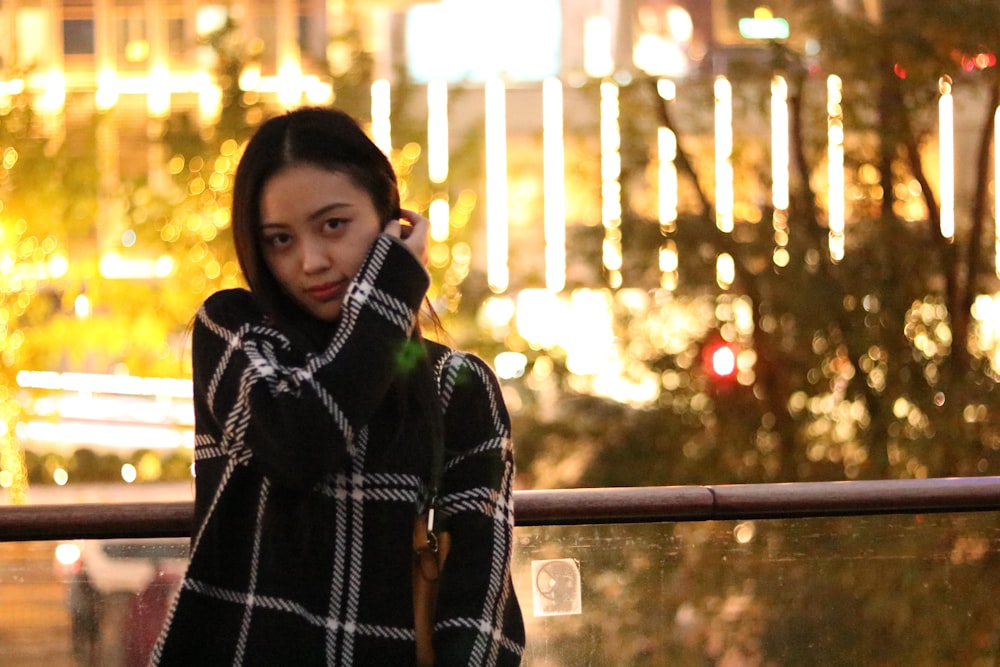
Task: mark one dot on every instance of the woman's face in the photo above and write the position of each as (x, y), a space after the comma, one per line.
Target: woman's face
(316, 229)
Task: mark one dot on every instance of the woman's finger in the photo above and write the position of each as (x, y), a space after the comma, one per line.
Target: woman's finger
(394, 228)
(417, 238)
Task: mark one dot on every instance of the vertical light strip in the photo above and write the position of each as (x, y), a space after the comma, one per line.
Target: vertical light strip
(158, 92)
(724, 197)
(779, 168)
(288, 54)
(666, 147)
(611, 188)
(598, 60)
(779, 143)
(667, 189)
(946, 140)
(437, 157)
(52, 102)
(381, 122)
(497, 270)
(725, 270)
(669, 264)
(554, 178)
(106, 95)
(209, 97)
(996, 192)
(108, 224)
(439, 214)
(836, 193)
(437, 131)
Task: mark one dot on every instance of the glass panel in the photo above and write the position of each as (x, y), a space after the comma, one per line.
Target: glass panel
(893, 590)
(95, 602)
(889, 590)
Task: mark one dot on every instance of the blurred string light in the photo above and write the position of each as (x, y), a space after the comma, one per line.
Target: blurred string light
(666, 143)
(127, 385)
(437, 131)
(81, 306)
(540, 315)
(996, 193)
(667, 191)
(725, 270)
(668, 255)
(25, 261)
(290, 82)
(510, 365)
(438, 214)
(835, 166)
(209, 99)
(497, 270)
(129, 473)
(106, 411)
(663, 39)
(437, 157)
(667, 185)
(554, 184)
(288, 54)
(985, 340)
(159, 82)
(53, 97)
(158, 91)
(669, 264)
(116, 267)
(598, 61)
(779, 168)
(946, 140)
(107, 93)
(611, 188)
(381, 123)
(725, 266)
(250, 77)
(590, 339)
(724, 196)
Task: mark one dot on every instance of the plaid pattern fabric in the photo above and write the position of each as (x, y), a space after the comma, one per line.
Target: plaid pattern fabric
(307, 489)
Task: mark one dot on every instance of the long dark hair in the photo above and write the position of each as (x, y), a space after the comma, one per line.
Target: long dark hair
(326, 138)
(329, 139)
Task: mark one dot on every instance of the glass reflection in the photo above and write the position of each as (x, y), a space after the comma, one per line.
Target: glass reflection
(882, 590)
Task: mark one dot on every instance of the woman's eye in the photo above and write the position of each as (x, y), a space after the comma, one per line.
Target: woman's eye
(277, 240)
(333, 224)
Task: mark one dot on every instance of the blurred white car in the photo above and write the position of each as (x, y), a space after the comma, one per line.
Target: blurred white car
(118, 592)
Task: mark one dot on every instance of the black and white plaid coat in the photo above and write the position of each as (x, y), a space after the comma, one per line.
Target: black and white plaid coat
(306, 493)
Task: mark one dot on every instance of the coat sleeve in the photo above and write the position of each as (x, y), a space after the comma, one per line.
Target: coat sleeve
(479, 620)
(291, 412)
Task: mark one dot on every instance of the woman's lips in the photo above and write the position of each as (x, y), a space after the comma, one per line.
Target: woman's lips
(327, 291)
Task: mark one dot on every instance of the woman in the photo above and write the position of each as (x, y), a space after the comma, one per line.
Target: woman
(317, 407)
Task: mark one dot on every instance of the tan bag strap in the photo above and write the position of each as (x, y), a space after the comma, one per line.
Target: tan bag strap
(430, 549)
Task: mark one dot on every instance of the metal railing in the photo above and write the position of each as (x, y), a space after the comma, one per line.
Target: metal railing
(567, 507)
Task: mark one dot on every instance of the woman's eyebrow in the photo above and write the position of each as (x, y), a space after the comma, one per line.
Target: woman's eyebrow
(329, 208)
(318, 213)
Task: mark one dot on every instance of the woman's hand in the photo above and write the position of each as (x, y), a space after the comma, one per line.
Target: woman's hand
(413, 229)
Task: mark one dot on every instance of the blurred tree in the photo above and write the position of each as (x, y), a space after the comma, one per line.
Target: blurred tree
(866, 366)
(46, 203)
(869, 366)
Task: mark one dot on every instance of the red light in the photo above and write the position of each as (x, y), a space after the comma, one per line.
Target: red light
(899, 70)
(723, 361)
(984, 60)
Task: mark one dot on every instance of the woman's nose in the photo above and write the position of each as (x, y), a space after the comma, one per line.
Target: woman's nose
(314, 258)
